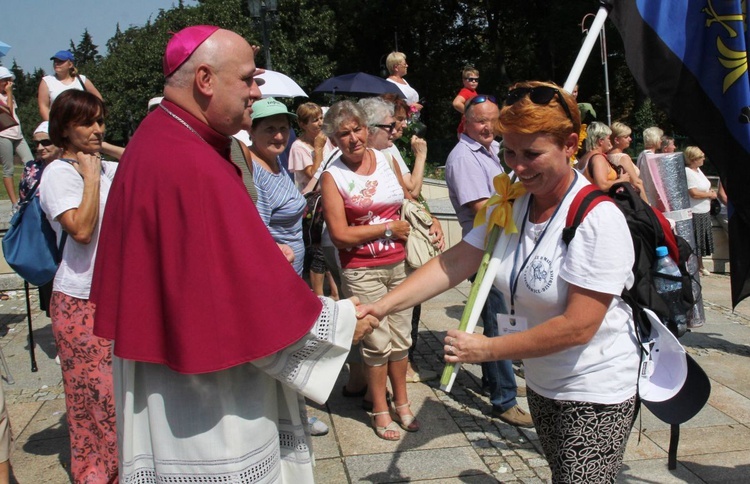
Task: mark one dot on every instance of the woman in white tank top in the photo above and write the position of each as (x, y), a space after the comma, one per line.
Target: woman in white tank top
(66, 77)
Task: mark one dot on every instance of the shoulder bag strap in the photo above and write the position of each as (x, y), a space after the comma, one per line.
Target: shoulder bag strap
(325, 166)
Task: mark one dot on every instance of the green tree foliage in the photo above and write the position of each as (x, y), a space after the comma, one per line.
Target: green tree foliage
(301, 40)
(86, 53)
(508, 41)
(131, 73)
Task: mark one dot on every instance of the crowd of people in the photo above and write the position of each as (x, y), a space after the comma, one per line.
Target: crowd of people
(605, 163)
(232, 330)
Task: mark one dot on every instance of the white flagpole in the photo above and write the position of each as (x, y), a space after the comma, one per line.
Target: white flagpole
(588, 45)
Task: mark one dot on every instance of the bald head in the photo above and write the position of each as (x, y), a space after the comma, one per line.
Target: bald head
(215, 83)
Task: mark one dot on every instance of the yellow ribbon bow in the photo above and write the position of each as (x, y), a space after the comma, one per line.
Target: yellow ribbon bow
(502, 215)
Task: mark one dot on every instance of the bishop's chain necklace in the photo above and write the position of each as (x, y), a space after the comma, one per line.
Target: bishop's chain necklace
(182, 122)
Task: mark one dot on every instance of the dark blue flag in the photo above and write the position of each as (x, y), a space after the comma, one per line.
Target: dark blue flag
(690, 58)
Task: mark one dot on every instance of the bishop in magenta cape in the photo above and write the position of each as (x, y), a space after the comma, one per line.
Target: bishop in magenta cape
(187, 275)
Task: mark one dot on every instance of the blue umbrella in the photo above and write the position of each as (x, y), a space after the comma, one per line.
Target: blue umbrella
(358, 83)
(4, 48)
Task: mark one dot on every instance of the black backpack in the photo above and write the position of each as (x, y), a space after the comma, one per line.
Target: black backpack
(649, 230)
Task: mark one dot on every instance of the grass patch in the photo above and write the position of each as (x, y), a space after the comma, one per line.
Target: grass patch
(17, 172)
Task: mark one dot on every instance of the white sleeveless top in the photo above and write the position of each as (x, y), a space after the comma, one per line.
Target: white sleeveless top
(368, 200)
(56, 87)
(411, 94)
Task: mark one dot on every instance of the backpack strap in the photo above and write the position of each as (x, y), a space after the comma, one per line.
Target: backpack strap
(585, 200)
(669, 239)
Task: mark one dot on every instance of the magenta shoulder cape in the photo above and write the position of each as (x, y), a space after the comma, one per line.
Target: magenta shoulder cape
(186, 273)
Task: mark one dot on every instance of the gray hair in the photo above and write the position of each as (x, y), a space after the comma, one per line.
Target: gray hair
(595, 132)
(340, 113)
(652, 138)
(666, 141)
(376, 110)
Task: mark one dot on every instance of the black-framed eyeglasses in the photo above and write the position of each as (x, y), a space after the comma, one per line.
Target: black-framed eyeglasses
(472, 79)
(43, 142)
(481, 99)
(387, 127)
(541, 95)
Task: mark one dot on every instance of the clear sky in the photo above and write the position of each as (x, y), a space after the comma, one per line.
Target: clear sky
(36, 29)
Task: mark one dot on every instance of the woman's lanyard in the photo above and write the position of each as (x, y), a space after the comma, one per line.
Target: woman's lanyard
(516, 275)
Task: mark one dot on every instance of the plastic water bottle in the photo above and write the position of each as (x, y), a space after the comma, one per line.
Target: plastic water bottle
(669, 288)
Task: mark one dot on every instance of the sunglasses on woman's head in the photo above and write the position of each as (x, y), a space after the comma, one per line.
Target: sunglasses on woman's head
(43, 142)
(541, 95)
(480, 99)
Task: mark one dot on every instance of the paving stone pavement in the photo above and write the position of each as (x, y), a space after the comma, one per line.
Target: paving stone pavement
(458, 441)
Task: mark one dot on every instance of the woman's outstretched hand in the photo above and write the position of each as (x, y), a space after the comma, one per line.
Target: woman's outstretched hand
(462, 347)
(370, 309)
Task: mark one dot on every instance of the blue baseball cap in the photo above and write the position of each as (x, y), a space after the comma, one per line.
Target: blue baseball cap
(63, 55)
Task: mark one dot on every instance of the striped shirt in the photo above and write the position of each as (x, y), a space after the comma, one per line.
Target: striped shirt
(281, 207)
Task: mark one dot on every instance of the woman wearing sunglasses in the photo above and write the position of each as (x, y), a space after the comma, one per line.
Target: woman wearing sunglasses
(46, 153)
(362, 197)
(568, 322)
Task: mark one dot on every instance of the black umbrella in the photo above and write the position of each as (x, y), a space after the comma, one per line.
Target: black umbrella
(358, 83)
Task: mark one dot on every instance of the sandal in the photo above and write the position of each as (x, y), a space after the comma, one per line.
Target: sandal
(380, 431)
(407, 422)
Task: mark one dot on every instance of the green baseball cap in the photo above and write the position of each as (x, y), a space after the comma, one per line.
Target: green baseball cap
(269, 107)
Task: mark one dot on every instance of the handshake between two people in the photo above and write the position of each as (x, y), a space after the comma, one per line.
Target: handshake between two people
(366, 323)
(460, 346)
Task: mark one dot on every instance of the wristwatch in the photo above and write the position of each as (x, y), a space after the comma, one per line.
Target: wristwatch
(388, 232)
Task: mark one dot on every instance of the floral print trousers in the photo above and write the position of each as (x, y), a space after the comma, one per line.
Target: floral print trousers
(86, 362)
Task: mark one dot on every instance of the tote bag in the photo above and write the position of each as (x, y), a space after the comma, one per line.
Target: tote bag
(30, 245)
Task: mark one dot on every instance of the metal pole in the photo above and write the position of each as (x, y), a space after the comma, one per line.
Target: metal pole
(588, 45)
(603, 44)
(266, 43)
(31, 329)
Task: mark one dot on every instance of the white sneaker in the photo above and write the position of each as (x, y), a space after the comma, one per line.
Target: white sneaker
(317, 427)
